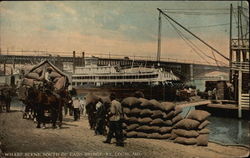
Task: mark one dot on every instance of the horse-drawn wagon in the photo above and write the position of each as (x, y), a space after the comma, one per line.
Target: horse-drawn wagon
(41, 95)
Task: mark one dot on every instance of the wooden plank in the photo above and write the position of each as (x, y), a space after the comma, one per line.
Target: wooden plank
(223, 106)
(205, 102)
(224, 101)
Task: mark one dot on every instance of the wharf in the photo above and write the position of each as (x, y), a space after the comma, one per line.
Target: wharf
(225, 110)
(220, 108)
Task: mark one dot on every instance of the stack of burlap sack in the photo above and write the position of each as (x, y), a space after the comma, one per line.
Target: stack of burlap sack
(37, 75)
(148, 118)
(192, 130)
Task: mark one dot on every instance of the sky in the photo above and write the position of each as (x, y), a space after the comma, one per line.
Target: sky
(126, 28)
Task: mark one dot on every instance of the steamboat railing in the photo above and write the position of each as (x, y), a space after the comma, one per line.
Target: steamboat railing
(240, 66)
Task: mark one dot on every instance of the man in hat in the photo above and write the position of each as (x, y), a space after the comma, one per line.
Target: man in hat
(48, 81)
(115, 122)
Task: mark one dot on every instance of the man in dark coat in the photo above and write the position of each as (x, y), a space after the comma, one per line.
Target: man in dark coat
(91, 111)
(100, 117)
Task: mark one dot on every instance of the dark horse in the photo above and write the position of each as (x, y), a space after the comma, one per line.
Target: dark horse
(43, 102)
(5, 98)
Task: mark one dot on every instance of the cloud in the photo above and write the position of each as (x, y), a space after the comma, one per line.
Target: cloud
(125, 28)
(66, 8)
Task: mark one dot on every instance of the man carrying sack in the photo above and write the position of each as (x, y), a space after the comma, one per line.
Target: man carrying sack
(115, 116)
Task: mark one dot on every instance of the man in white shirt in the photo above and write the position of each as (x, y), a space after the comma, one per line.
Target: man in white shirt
(47, 74)
(76, 105)
(115, 122)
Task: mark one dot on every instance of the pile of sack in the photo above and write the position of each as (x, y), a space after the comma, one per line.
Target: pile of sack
(148, 118)
(36, 76)
(192, 130)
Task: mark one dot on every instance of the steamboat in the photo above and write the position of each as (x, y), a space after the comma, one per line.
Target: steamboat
(155, 83)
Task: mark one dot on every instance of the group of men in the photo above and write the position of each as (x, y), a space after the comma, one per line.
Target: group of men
(112, 113)
(104, 114)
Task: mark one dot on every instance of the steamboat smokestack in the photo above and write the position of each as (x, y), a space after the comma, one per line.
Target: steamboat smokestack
(74, 57)
(83, 58)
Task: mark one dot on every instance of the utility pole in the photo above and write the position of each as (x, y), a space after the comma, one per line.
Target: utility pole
(230, 43)
(159, 40)
(74, 61)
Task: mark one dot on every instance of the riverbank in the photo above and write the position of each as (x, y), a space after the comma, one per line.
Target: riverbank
(75, 139)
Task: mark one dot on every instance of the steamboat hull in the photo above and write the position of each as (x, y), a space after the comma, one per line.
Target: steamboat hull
(159, 92)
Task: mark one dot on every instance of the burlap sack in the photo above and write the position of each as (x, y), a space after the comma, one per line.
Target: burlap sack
(146, 113)
(167, 123)
(155, 104)
(176, 119)
(131, 134)
(202, 140)
(147, 129)
(131, 101)
(157, 121)
(106, 100)
(173, 135)
(204, 131)
(91, 98)
(199, 115)
(124, 125)
(60, 83)
(28, 82)
(203, 124)
(157, 114)
(165, 136)
(186, 141)
(32, 75)
(154, 136)
(164, 130)
(145, 120)
(132, 119)
(55, 74)
(132, 127)
(187, 124)
(145, 104)
(144, 128)
(124, 132)
(167, 106)
(56, 79)
(186, 133)
(154, 128)
(169, 115)
(177, 111)
(38, 70)
(141, 135)
(126, 118)
(126, 110)
(135, 111)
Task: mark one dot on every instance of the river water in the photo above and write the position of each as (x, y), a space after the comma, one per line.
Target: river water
(224, 130)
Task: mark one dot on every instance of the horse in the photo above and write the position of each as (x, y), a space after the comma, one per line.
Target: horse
(5, 98)
(42, 102)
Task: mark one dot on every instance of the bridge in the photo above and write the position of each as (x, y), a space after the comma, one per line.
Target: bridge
(187, 70)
